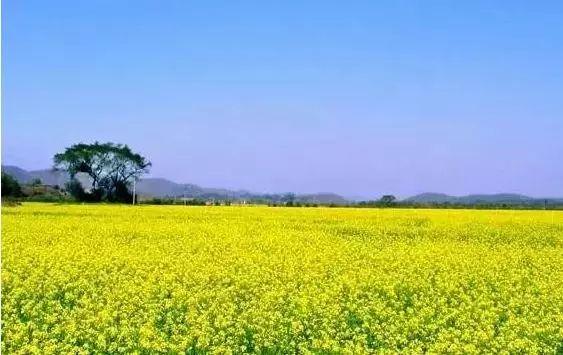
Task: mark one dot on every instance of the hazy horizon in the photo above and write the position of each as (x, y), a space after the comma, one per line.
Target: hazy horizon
(350, 197)
(361, 100)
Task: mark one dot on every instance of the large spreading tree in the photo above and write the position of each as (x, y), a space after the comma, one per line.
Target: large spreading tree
(111, 168)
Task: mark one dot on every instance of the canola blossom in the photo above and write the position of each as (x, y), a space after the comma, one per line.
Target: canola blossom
(172, 279)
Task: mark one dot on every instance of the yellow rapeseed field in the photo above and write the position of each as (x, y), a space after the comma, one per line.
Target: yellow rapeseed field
(152, 279)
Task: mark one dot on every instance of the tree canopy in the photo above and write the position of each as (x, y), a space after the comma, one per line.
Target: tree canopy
(10, 186)
(387, 199)
(111, 168)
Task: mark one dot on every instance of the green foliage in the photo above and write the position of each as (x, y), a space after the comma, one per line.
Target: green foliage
(121, 193)
(288, 199)
(388, 200)
(47, 198)
(10, 186)
(110, 167)
(76, 190)
(43, 193)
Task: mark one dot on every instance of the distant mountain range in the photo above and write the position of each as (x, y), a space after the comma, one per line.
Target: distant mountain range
(159, 187)
(47, 176)
(163, 188)
(508, 199)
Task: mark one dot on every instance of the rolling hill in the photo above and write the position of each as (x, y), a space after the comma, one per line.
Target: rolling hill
(479, 199)
(47, 176)
(163, 188)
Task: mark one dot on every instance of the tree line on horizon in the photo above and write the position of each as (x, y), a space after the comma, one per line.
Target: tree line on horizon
(111, 170)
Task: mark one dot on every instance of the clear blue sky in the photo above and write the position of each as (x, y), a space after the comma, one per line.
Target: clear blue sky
(356, 97)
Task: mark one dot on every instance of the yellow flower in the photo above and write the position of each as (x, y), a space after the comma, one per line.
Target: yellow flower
(117, 279)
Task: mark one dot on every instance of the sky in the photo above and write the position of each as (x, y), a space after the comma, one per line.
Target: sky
(360, 98)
